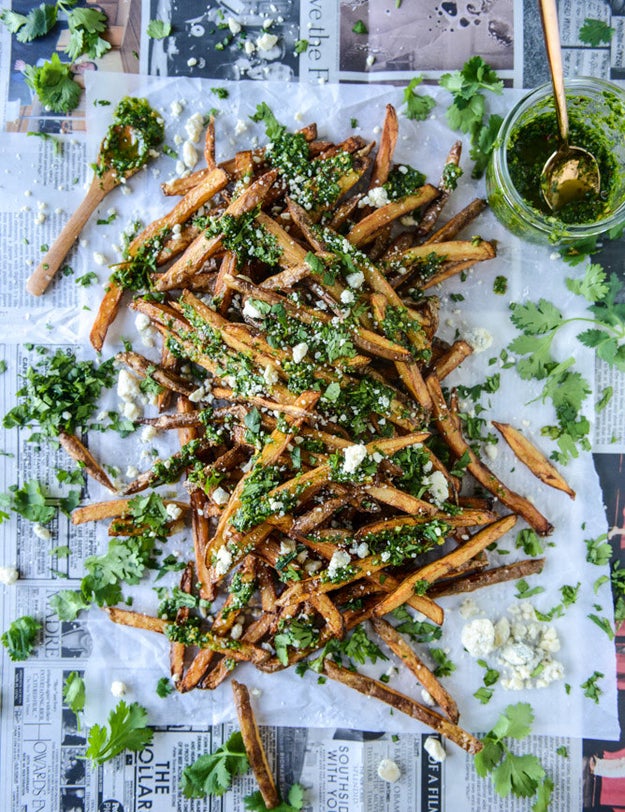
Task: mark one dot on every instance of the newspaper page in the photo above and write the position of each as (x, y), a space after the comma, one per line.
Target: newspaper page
(41, 746)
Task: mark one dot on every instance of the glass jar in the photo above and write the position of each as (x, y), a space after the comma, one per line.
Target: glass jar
(600, 107)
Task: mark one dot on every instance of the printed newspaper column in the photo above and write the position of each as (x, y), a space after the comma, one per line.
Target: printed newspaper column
(319, 25)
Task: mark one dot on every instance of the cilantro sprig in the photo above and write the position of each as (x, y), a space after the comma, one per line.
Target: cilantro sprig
(467, 111)
(126, 729)
(511, 774)
(418, 106)
(212, 773)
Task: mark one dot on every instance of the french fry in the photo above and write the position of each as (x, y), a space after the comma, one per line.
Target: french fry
(81, 454)
(254, 748)
(497, 575)
(404, 704)
(409, 658)
(538, 464)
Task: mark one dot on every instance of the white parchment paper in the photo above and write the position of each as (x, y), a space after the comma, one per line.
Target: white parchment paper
(139, 658)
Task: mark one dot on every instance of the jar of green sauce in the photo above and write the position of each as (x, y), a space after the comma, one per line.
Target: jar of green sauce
(528, 136)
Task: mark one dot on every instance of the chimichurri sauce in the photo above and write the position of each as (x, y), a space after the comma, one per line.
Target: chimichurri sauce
(136, 130)
(536, 141)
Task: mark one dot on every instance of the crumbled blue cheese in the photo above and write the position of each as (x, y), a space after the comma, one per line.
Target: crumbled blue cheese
(340, 559)
(270, 375)
(194, 126)
(234, 26)
(222, 561)
(173, 510)
(388, 770)
(478, 637)
(434, 749)
(355, 280)
(220, 496)
(251, 311)
(99, 258)
(189, 154)
(438, 487)
(353, 456)
(266, 41)
(299, 351)
(42, 532)
(118, 688)
(8, 575)
(347, 297)
(479, 338)
(523, 647)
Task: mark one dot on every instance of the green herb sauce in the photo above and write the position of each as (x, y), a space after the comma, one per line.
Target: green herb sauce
(538, 139)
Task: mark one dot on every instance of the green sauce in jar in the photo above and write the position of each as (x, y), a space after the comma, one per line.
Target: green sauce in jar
(532, 145)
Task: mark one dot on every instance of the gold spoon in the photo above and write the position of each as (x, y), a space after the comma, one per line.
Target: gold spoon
(570, 173)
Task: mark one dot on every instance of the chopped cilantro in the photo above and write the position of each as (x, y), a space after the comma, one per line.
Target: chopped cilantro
(360, 28)
(590, 687)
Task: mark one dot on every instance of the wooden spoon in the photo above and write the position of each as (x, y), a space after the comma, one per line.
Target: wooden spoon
(123, 146)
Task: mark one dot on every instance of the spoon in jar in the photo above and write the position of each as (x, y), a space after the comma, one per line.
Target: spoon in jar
(570, 173)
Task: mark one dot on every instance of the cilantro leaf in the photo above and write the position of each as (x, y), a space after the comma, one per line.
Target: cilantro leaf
(519, 775)
(54, 85)
(543, 796)
(255, 802)
(483, 144)
(360, 28)
(30, 501)
(264, 114)
(68, 603)
(38, 22)
(158, 29)
(536, 318)
(164, 687)
(489, 756)
(212, 774)
(417, 107)
(12, 20)
(592, 286)
(515, 722)
(74, 692)
(85, 27)
(595, 32)
(20, 638)
(126, 730)
(603, 623)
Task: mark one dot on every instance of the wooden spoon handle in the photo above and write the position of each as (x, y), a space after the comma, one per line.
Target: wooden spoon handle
(551, 31)
(52, 261)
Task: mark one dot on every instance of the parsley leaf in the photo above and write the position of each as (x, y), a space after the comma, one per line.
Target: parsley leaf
(21, 636)
(126, 730)
(54, 85)
(595, 32)
(212, 774)
(158, 29)
(417, 107)
(164, 687)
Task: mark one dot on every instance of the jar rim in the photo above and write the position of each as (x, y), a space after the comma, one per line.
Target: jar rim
(585, 86)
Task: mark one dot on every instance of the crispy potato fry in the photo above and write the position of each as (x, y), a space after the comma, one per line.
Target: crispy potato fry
(403, 703)
(538, 464)
(409, 658)
(109, 307)
(81, 454)
(254, 746)
(497, 575)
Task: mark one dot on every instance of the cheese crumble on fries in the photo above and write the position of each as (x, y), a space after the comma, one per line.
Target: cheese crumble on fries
(329, 479)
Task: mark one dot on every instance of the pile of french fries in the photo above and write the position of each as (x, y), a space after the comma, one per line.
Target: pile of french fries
(304, 515)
